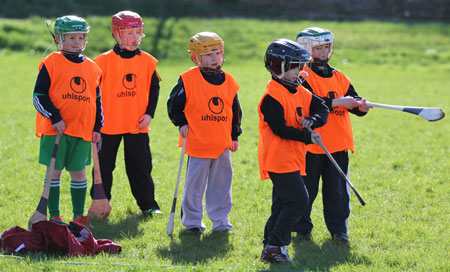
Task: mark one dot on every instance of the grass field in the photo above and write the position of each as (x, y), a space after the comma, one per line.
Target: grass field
(401, 164)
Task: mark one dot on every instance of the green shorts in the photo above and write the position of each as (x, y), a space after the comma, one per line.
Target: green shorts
(73, 153)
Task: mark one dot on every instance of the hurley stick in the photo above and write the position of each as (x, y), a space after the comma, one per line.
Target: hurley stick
(41, 212)
(100, 206)
(171, 222)
(427, 113)
(361, 200)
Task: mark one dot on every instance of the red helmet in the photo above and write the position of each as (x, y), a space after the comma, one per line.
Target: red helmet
(124, 21)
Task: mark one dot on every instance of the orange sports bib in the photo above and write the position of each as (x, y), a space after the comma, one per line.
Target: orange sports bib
(209, 114)
(274, 153)
(125, 89)
(337, 132)
(73, 92)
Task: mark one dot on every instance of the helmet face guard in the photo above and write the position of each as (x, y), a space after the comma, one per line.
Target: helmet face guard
(211, 62)
(319, 42)
(128, 29)
(72, 42)
(207, 51)
(285, 60)
(71, 34)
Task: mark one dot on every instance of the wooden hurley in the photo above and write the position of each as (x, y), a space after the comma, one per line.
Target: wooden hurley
(100, 206)
(336, 165)
(41, 211)
(171, 223)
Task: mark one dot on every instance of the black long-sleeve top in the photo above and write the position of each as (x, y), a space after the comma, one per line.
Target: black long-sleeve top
(154, 85)
(327, 72)
(177, 101)
(45, 106)
(274, 116)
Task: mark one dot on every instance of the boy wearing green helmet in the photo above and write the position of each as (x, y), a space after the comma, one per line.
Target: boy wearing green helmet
(71, 34)
(67, 98)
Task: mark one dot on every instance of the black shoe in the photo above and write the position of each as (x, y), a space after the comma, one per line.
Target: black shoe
(151, 212)
(341, 237)
(195, 231)
(275, 254)
(304, 235)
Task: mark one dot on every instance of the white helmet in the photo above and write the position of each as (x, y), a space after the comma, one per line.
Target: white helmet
(315, 36)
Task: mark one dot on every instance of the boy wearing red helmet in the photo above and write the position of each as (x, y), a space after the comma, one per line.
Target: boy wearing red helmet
(130, 91)
(205, 105)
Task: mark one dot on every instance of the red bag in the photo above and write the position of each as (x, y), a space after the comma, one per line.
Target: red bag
(74, 239)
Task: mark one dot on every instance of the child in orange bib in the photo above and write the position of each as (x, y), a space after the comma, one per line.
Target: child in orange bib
(285, 110)
(67, 98)
(205, 105)
(130, 91)
(341, 98)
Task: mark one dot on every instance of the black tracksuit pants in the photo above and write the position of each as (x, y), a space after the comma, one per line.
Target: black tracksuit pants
(335, 192)
(138, 164)
(289, 201)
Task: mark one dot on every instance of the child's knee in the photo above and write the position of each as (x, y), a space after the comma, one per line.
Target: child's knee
(56, 174)
(78, 175)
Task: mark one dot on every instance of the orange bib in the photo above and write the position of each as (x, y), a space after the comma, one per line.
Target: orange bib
(125, 89)
(73, 92)
(337, 132)
(274, 153)
(209, 114)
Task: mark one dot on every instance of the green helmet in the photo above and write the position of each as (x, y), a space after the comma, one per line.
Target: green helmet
(70, 24)
(315, 36)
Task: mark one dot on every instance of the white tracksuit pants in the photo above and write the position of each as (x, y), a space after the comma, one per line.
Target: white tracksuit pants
(214, 175)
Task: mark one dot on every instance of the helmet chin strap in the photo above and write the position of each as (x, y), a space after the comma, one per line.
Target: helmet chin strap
(293, 84)
(210, 71)
(128, 48)
(290, 83)
(70, 53)
(320, 62)
(73, 53)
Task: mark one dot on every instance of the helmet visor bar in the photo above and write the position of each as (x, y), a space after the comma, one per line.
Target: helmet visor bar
(322, 52)
(73, 42)
(129, 38)
(212, 61)
(292, 65)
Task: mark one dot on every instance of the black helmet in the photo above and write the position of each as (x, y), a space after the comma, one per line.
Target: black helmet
(283, 55)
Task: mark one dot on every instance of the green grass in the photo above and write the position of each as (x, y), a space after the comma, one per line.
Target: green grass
(247, 39)
(401, 164)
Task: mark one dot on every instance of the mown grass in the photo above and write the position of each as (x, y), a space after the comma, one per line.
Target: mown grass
(401, 163)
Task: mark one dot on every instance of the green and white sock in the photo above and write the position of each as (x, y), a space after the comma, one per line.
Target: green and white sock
(78, 192)
(53, 198)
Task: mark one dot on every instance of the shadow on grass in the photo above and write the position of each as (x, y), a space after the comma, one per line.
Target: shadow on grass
(192, 250)
(311, 256)
(127, 227)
